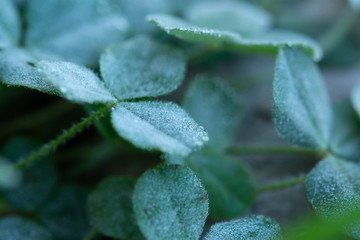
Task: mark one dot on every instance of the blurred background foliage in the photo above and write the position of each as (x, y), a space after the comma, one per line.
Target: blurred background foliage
(98, 152)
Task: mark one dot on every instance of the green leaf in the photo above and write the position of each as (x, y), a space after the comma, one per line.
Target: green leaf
(250, 228)
(72, 30)
(9, 177)
(76, 83)
(147, 68)
(333, 190)
(239, 16)
(110, 210)
(64, 215)
(170, 203)
(17, 69)
(265, 43)
(9, 24)
(229, 184)
(216, 107)
(355, 98)
(355, 4)
(17, 228)
(158, 125)
(345, 135)
(38, 180)
(302, 109)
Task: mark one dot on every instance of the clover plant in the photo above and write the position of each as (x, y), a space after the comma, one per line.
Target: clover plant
(156, 79)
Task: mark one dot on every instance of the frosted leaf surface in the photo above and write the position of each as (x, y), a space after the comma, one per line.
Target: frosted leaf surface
(250, 228)
(239, 16)
(170, 203)
(142, 67)
(345, 134)
(162, 126)
(16, 69)
(110, 209)
(74, 30)
(76, 83)
(9, 24)
(38, 179)
(333, 190)
(355, 98)
(17, 228)
(266, 43)
(229, 184)
(64, 215)
(216, 107)
(9, 177)
(302, 110)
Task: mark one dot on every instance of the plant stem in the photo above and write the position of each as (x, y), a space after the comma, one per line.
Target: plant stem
(282, 150)
(281, 184)
(91, 235)
(338, 31)
(67, 134)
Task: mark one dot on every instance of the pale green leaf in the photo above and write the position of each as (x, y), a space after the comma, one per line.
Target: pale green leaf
(355, 4)
(216, 107)
(355, 98)
(64, 215)
(9, 176)
(38, 179)
(76, 83)
(302, 109)
(110, 209)
(18, 228)
(228, 182)
(9, 24)
(250, 228)
(17, 69)
(158, 125)
(142, 67)
(72, 30)
(333, 190)
(266, 43)
(240, 16)
(170, 203)
(345, 135)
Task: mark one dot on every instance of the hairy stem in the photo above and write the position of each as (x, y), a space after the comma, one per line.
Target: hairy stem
(338, 31)
(67, 134)
(274, 150)
(281, 184)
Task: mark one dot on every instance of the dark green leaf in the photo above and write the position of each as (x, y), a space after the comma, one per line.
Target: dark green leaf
(17, 228)
(170, 203)
(216, 107)
(302, 109)
(76, 83)
(229, 184)
(266, 43)
(65, 214)
(38, 180)
(9, 24)
(250, 228)
(345, 135)
(72, 30)
(110, 209)
(10, 178)
(238, 16)
(333, 190)
(158, 125)
(142, 67)
(17, 69)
